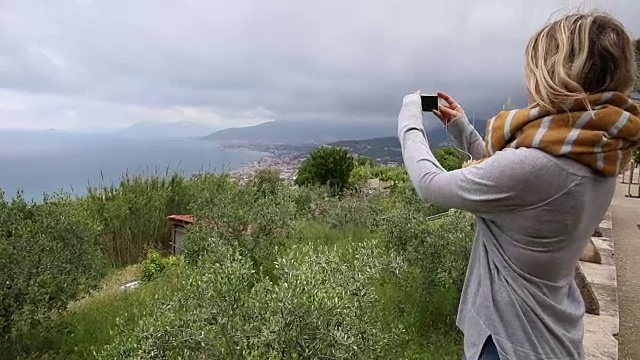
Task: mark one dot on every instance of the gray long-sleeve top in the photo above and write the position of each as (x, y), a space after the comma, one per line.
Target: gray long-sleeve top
(534, 214)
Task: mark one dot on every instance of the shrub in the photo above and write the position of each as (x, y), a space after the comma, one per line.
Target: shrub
(442, 247)
(450, 158)
(326, 166)
(320, 307)
(49, 256)
(155, 265)
(267, 180)
(363, 161)
(437, 252)
(237, 215)
(393, 174)
(352, 210)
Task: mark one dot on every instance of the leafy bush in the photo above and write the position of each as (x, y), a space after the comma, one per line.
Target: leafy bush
(155, 265)
(49, 256)
(450, 158)
(326, 166)
(393, 174)
(238, 215)
(363, 161)
(440, 247)
(320, 307)
(267, 180)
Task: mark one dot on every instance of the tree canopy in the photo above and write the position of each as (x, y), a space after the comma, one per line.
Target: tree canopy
(326, 165)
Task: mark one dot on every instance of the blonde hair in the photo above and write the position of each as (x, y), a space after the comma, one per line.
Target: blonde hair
(577, 55)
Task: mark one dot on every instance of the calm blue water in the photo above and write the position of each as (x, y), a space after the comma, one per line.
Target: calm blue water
(39, 162)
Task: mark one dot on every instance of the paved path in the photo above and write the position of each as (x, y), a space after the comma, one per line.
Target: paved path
(626, 235)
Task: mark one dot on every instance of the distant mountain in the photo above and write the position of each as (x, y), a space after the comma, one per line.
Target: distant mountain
(300, 132)
(167, 129)
(317, 132)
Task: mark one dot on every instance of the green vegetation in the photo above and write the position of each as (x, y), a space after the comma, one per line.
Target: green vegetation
(450, 158)
(155, 265)
(635, 155)
(132, 215)
(388, 174)
(269, 271)
(326, 166)
(48, 257)
(330, 165)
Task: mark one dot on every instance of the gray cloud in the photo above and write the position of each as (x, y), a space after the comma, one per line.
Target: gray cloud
(100, 64)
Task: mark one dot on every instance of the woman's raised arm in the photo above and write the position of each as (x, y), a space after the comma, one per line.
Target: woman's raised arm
(458, 126)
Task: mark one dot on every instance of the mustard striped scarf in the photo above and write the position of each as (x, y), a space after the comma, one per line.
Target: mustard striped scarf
(601, 138)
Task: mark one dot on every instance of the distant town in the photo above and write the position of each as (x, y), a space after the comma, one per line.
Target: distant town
(286, 164)
(287, 158)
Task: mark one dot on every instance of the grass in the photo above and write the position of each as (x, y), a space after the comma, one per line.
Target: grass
(110, 286)
(90, 323)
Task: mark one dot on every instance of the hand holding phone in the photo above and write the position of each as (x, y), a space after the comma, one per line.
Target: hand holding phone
(429, 103)
(448, 111)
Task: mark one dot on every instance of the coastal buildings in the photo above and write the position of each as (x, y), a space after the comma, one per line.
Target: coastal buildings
(286, 164)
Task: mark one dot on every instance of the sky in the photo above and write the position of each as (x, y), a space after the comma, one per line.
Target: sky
(88, 65)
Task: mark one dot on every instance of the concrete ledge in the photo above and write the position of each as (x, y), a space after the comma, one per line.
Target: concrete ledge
(600, 330)
(599, 337)
(599, 273)
(605, 248)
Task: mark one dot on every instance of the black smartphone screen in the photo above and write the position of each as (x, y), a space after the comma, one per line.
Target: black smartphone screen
(429, 102)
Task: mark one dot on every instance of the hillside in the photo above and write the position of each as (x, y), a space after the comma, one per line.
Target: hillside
(292, 133)
(341, 264)
(300, 132)
(159, 129)
(387, 149)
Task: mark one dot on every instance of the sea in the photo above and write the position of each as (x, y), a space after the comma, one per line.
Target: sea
(38, 162)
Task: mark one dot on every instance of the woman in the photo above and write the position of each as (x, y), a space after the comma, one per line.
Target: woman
(545, 180)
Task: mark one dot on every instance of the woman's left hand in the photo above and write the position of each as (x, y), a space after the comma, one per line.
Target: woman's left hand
(449, 112)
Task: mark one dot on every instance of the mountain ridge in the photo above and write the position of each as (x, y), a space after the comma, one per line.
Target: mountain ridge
(318, 132)
(174, 129)
(299, 132)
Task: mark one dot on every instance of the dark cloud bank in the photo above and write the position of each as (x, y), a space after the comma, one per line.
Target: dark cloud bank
(105, 64)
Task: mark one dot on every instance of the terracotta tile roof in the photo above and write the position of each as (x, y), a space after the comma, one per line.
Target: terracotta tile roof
(187, 219)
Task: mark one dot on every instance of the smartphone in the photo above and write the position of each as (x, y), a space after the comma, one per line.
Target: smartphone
(429, 102)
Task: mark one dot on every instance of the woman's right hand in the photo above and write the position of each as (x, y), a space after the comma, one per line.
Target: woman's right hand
(449, 112)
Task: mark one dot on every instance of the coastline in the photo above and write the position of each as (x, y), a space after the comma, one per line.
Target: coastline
(285, 160)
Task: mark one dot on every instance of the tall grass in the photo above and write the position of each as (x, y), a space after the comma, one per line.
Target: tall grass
(132, 215)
